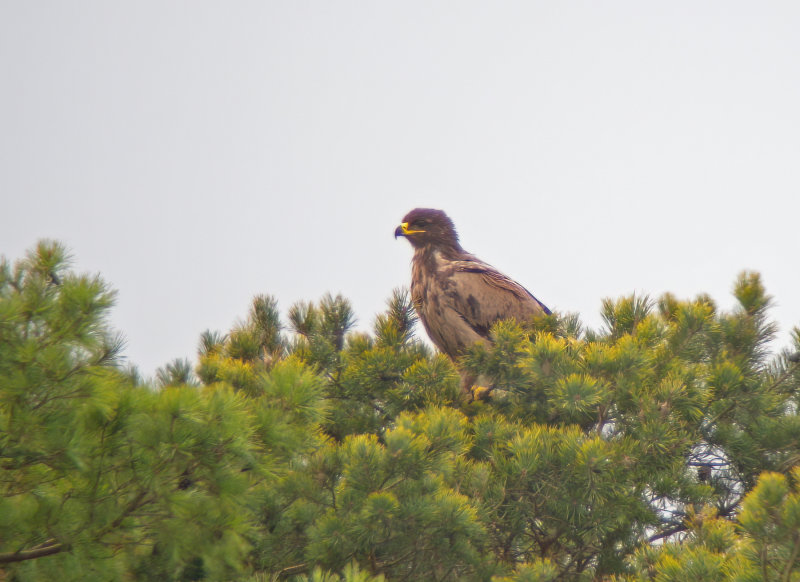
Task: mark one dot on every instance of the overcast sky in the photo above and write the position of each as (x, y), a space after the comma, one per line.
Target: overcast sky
(198, 153)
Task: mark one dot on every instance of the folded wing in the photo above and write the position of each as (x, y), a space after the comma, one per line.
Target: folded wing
(482, 295)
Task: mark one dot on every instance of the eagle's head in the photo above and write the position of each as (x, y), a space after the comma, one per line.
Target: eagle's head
(428, 227)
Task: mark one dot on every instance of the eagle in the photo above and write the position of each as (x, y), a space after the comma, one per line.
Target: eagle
(457, 296)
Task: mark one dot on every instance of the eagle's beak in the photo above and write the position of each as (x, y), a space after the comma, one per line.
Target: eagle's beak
(403, 230)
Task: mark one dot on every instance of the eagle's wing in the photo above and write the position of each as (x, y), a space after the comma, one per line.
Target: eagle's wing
(482, 295)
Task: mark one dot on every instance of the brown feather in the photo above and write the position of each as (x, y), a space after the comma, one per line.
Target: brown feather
(458, 297)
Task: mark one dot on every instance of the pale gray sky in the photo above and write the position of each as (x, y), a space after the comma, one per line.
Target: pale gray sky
(198, 153)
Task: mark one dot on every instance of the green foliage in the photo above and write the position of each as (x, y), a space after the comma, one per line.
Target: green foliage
(393, 507)
(661, 447)
(103, 479)
(538, 571)
(176, 373)
(350, 573)
(764, 546)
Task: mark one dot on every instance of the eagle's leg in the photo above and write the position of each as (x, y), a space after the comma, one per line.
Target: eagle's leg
(475, 387)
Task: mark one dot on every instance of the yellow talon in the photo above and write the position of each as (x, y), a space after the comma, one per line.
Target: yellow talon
(480, 393)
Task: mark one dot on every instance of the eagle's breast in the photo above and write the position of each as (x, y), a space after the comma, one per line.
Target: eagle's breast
(432, 292)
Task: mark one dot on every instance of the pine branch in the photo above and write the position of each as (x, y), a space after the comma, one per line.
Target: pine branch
(788, 372)
(787, 571)
(47, 548)
(293, 570)
(681, 527)
(139, 501)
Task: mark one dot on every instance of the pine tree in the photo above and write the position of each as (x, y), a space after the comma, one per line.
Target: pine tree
(103, 478)
(663, 446)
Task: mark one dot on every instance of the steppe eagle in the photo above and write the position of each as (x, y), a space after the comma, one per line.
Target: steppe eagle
(457, 296)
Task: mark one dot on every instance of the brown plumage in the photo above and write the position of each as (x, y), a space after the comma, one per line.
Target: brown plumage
(457, 296)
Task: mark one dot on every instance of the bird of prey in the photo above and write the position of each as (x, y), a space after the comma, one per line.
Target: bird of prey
(457, 296)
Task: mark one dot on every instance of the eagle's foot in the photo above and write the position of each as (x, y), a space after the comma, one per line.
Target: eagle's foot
(480, 392)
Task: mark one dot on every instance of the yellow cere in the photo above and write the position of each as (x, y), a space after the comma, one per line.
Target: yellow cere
(404, 226)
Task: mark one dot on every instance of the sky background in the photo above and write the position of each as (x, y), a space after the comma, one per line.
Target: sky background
(196, 154)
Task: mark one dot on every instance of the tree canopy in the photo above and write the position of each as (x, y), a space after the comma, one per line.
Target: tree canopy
(664, 446)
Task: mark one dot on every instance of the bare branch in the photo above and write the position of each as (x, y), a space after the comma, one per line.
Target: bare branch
(47, 548)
